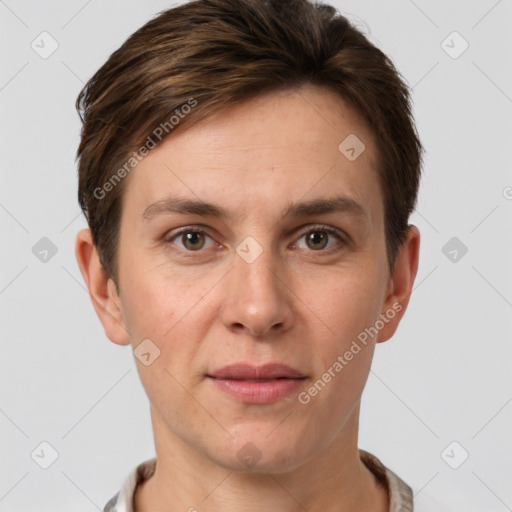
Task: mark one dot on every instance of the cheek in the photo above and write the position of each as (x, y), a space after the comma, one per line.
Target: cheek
(149, 310)
(156, 297)
(343, 308)
(174, 312)
(343, 353)
(159, 309)
(345, 305)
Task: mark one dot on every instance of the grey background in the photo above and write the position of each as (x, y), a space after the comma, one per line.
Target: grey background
(444, 377)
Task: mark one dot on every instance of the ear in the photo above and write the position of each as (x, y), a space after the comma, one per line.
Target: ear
(102, 290)
(400, 284)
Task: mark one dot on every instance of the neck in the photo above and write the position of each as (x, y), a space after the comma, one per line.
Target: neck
(335, 480)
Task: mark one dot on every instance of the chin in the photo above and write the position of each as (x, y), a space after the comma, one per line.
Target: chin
(256, 453)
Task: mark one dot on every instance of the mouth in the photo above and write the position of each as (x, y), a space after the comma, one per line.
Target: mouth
(257, 384)
(255, 380)
(246, 371)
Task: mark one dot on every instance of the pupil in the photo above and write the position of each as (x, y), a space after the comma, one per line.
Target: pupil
(315, 239)
(191, 240)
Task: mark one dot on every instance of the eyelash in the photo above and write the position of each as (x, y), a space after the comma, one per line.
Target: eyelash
(312, 229)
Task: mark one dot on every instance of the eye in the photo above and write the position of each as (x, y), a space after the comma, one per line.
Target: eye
(192, 240)
(316, 238)
(320, 238)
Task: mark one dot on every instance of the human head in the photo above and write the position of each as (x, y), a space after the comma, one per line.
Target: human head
(208, 55)
(254, 150)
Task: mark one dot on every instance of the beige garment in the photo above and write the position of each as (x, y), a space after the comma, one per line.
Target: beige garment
(400, 494)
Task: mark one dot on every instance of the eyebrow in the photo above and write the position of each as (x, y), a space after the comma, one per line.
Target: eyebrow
(338, 204)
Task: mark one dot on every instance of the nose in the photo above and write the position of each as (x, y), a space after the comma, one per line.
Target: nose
(258, 299)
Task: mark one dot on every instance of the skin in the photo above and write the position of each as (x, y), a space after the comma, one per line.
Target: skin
(296, 303)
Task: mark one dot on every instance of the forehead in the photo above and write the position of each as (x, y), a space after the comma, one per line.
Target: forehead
(274, 149)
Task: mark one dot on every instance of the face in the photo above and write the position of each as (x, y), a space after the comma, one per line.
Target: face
(282, 260)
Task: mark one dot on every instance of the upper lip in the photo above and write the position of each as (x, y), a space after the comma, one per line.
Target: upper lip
(244, 371)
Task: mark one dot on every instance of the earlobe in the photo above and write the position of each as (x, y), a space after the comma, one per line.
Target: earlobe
(102, 290)
(401, 284)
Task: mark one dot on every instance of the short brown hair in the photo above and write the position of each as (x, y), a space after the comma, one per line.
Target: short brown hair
(213, 54)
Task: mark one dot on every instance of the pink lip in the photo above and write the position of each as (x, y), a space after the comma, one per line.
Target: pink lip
(244, 371)
(257, 384)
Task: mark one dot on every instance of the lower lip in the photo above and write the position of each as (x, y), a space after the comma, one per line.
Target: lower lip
(263, 392)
